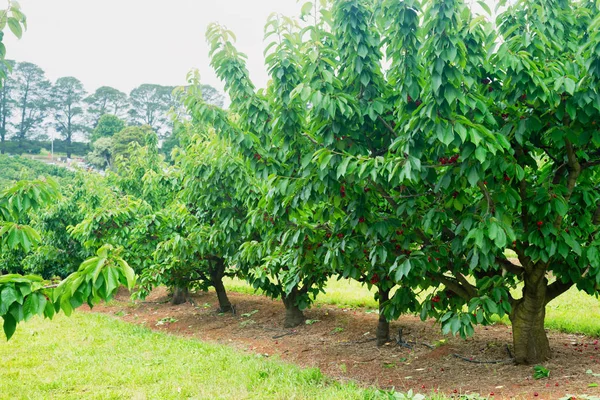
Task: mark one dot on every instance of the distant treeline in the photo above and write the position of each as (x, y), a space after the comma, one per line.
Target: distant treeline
(36, 146)
(32, 107)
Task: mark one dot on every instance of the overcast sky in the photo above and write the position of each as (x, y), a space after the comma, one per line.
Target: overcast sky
(124, 43)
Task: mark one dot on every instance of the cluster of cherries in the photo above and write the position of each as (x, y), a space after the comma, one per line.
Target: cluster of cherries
(451, 160)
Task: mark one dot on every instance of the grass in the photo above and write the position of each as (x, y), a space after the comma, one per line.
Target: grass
(98, 357)
(343, 293)
(573, 312)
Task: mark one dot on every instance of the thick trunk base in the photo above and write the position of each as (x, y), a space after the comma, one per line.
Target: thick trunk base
(383, 326)
(293, 315)
(530, 341)
(180, 295)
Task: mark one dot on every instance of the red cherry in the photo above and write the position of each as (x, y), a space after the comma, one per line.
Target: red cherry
(540, 223)
(328, 235)
(340, 235)
(361, 219)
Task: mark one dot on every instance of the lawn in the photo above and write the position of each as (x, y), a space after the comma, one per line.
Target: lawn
(98, 357)
(573, 312)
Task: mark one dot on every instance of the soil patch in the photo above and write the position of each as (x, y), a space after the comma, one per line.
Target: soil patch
(341, 343)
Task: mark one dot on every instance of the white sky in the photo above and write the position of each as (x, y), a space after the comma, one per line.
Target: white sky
(124, 43)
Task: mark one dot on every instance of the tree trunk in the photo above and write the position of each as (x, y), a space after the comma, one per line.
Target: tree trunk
(2, 145)
(530, 342)
(216, 276)
(69, 146)
(293, 315)
(383, 326)
(180, 295)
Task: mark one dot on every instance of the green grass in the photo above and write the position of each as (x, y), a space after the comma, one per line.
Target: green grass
(342, 293)
(573, 312)
(98, 357)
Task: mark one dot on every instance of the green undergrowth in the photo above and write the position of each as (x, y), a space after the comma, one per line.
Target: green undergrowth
(95, 356)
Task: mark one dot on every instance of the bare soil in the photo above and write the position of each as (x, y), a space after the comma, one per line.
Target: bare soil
(341, 343)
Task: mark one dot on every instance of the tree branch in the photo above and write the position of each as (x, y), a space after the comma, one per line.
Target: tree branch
(510, 267)
(556, 289)
(590, 164)
(384, 194)
(388, 126)
(453, 285)
(488, 198)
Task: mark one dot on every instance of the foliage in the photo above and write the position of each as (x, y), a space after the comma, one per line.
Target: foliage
(6, 104)
(123, 140)
(108, 125)
(540, 372)
(15, 168)
(462, 149)
(67, 97)
(149, 106)
(105, 100)
(32, 97)
(101, 155)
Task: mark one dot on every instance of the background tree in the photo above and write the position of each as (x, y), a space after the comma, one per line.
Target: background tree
(107, 127)
(149, 105)
(32, 95)
(102, 152)
(212, 96)
(6, 100)
(67, 96)
(123, 140)
(105, 100)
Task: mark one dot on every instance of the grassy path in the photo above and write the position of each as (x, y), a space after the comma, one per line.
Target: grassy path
(97, 357)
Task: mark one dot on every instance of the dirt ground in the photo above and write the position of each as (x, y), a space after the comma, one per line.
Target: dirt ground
(341, 343)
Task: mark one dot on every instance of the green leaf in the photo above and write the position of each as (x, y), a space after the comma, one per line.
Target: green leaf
(15, 27)
(341, 171)
(473, 176)
(8, 296)
(10, 325)
(569, 86)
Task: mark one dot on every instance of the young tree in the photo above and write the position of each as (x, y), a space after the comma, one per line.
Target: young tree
(107, 127)
(106, 100)
(32, 95)
(101, 155)
(285, 257)
(67, 96)
(132, 134)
